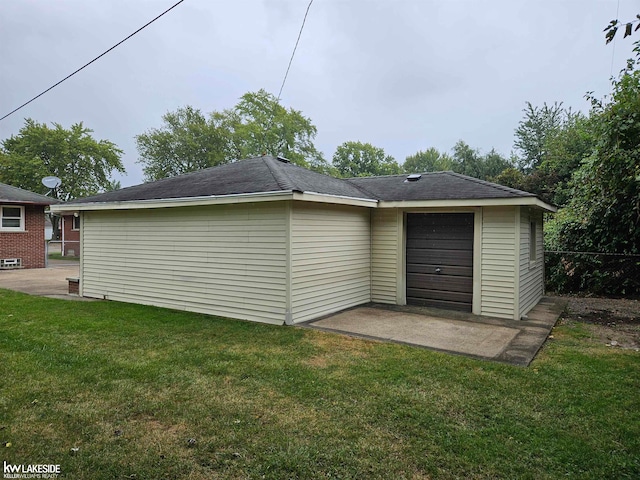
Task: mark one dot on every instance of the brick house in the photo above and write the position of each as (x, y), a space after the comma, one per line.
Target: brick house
(22, 237)
(70, 235)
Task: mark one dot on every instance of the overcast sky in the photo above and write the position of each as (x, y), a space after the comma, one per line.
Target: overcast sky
(402, 75)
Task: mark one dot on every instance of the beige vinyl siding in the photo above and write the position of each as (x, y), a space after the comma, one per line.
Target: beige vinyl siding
(498, 261)
(330, 259)
(225, 260)
(531, 273)
(384, 255)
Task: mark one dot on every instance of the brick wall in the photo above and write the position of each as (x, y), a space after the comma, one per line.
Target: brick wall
(71, 237)
(27, 245)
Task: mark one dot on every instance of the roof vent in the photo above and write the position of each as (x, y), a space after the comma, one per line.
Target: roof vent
(283, 160)
(414, 177)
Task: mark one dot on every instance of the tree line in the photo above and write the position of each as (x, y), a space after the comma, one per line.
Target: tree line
(587, 164)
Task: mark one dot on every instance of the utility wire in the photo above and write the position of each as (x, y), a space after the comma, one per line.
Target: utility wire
(294, 49)
(613, 50)
(284, 80)
(89, 63)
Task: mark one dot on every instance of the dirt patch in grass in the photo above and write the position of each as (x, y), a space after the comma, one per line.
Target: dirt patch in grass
(336, 349)
(612, 321)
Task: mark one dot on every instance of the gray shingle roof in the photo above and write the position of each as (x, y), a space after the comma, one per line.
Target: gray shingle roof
(9, 194)
(269, 174)
(434, 186)
(254, 175)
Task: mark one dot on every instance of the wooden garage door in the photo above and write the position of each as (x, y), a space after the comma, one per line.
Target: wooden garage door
(440, 260)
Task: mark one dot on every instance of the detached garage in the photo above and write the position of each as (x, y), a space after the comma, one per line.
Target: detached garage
(264, 240)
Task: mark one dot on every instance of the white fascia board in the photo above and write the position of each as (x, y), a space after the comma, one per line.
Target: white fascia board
(175, 202)
(478, 202)
(335, 199)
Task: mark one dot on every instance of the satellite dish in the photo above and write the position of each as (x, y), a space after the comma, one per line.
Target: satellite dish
(51, 182)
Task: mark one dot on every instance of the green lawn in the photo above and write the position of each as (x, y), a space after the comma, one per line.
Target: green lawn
(58, 256)
(129, 385)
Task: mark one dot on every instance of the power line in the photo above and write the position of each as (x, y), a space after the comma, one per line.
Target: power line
(294, 49)
(89, 63)
(286, 74)
(613, 50)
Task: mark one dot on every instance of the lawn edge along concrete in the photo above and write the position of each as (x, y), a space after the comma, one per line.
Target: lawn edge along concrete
(515, 342)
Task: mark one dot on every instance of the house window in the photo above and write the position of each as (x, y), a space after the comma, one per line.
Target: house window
(11, 218)
(75, 225)
(532, 241)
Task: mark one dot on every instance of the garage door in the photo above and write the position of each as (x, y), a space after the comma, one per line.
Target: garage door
(440, 260)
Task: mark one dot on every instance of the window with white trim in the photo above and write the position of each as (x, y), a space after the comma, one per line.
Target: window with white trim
(532, 241)
(75, 224)
(11, 218)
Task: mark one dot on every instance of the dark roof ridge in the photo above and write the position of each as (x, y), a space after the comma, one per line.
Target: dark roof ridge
(279, 170)
(279, 175)
(366, 192)
(497, 186)
(36, 197)
(399, 175)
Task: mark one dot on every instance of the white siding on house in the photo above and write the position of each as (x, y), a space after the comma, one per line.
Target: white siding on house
(384, 255)
(330, 259)
(531, 273)
(498, 261)
(227, 260)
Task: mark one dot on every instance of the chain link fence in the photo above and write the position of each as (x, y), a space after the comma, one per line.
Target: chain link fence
(592, 272)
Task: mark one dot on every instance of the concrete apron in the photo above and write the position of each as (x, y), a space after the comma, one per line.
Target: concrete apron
(508, 341)
(46, 282)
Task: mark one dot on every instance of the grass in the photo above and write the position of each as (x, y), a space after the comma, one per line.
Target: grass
(129, 385)
(58, 256)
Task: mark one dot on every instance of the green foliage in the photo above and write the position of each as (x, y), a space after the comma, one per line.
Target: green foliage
(566, 149)
(430, 160)
(465, 160)
(534, 131)
(83, 164)
(357, 159)
(257, 125)
(186, 142)
(605, 191)
(553, 142)
(469, 161)
(612, 28)
(539, 182)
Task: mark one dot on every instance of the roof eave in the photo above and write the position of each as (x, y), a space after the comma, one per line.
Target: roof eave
(24, 202)
(175, 202)
(335, 199)
(469, 202)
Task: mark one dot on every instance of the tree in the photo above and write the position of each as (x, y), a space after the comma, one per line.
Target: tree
(565, 151)
(83, 164)
(257, 125)
(357, 159)
(465, 160)
(430, 160)
(187, 141)
(469, 161)
(535, 130)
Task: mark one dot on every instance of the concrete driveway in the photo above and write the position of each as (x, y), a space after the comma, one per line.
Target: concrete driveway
(46, 282)
(508, 341)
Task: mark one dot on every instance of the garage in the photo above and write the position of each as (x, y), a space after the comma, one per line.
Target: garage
(439, 260)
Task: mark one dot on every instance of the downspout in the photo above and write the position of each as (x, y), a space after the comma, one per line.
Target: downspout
(288, 315)
(371, 255)
(62, 236)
